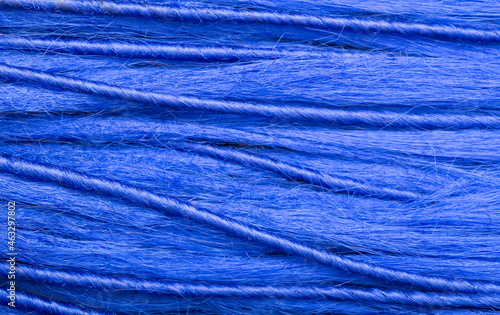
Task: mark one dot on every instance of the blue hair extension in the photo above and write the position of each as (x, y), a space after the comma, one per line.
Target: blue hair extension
(42, 306)
(446, 32)
(148, 51)
(250, 157)
(356, 78)
(172, 206)
(315, 115)
(306, 292)
(309, 176)
(99, 130)
(335, 218)
(314, 177)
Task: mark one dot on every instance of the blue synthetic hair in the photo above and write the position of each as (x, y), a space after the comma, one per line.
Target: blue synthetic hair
(31, 303)
(178, 208)
(250, 157)
(145, 51)
(305, 292)
(294, 114)
(236, 16)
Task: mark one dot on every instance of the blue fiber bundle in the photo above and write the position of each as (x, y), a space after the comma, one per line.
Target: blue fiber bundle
(250, 157)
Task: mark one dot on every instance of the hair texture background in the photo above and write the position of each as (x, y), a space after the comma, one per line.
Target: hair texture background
(251, 157)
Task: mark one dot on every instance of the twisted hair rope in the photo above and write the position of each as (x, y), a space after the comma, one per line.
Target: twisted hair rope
(335, 184)
(314, 115)
(84, 182)
(95, 281)
(150, 51)
(446, 32)
(30, 302)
